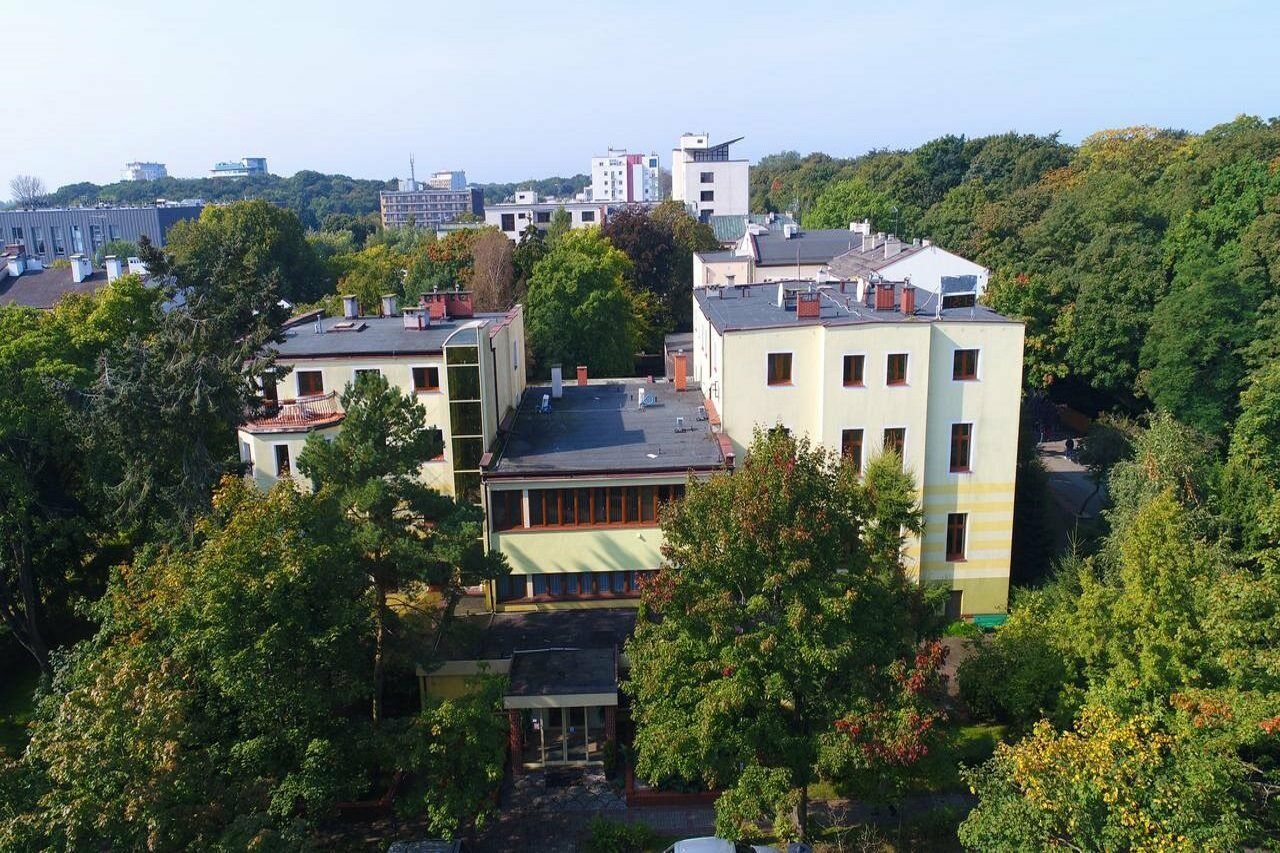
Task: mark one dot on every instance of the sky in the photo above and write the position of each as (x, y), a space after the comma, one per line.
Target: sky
(509, 91)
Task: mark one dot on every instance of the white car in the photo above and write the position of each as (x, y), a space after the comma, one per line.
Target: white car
(718, 845)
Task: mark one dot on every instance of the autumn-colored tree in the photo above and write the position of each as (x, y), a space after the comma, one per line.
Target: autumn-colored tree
(493, 272)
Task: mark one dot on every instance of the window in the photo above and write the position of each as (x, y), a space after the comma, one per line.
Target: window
(113, 231)
(601, 506)
(508, 222)
(707, 177)
(895, 440)
(362, 372)
(37, 238)
(588, 216)
(896, 372)
(965, 365)
(576, 585)
(282, 460)
(512, 587)
(507, 509)
(853, 368)
(851, 447)
(77, 239)
(310, 383)
(15, 235)
(59, 241)
(542, 216)
(779, 368)
(426, 379)
(95, 237)
(961, 443)
(956, 522)
(708, 195)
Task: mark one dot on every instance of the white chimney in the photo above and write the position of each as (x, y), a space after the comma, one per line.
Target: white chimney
(557, 381)
(388, 305)
(350, 307)
(788, 231)
(863, 227)
(892, 246)
(115, 269)
(136, 266)
(868, 242)
(80, 268)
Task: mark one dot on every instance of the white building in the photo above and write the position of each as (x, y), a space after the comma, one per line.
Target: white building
(144, 171)
(625, 178)
(512, 217)
(706, 180)
(245, 167)
(451, 179)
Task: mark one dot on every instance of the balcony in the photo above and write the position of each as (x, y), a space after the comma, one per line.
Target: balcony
(300, 415)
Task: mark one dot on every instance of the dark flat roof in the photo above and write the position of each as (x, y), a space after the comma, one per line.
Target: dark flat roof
(560, 672)
(814, 246)
(493, 636)
(600, 428)
(43, 288)
(379, 336)
(756, 307)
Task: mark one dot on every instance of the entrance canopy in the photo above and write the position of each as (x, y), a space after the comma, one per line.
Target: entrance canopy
(563, 678)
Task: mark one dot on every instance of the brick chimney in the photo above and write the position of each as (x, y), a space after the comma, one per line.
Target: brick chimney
(808, 305)
(884, 296)
(582, 374)
(908, 299)
(680, 364)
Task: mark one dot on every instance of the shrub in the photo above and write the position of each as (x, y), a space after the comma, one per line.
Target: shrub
(1016, 678)
(961, 628)
(611, 836)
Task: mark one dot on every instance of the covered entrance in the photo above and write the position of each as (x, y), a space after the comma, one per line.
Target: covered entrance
(562, 706)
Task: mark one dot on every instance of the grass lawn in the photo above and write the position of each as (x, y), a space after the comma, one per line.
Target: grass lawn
(17, 692)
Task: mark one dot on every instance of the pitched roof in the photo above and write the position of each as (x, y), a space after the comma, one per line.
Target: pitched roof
(856, 263)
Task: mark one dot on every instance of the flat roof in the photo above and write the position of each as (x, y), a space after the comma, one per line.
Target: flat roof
(375, 336)
(600, 428)
(774, 248)
(44, 287)
(495, 636)
(563, 671)
(755, 306)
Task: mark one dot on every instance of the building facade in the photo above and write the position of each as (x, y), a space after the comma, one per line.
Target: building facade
(512, 218)
(707, 180)
(245, 167)
(451, 179)
(144, 171)
(465, 369)
(56, 233)
(424, 207)
(619, 177)
(887, 369)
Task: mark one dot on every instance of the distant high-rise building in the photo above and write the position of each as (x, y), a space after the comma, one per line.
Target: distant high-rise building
(706, 180)
(144, 171)
(453, 179)
(245, 167)
(440, 200)
(625, 178)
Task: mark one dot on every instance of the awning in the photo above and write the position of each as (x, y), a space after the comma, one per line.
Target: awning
(562, 678)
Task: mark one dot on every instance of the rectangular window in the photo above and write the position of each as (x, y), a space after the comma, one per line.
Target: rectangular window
(59, 241)
(895, 440)
(77, 239)
(965, 365)
(282, 460)
(543, 216)
(310, 383)
(706, 177)
(508, 222)
(707, 195)
(113, 231)
(779, 368)
(588, 216)
(15, 235)
(95, 237)
(896, 371)
(426, 379)
(853, 368)
(37, 237)
(507, 509)
(956, 522)
(512, 587)
(961, 445)
(851, 447)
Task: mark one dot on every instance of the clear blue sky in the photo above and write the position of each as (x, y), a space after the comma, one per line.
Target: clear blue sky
(533, 88)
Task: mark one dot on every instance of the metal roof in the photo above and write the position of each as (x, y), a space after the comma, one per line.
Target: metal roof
(563, 671)
(495, 636)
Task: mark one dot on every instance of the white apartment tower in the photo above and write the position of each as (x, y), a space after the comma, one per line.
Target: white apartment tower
(139, 171)
(706, 180)
(625, 178)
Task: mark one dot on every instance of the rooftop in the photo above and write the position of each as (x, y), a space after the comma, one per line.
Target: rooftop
(377, 336)
(729, 227)
(755, 306)
(813, 246)
(494, 636)
(561, 671)
(857, 262)
(43, 288)
(601, 428)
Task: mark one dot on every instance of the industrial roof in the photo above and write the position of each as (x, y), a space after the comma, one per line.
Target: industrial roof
(43, 288)
(729, 227)
(755, 306)
(373, 336)
(601, 428)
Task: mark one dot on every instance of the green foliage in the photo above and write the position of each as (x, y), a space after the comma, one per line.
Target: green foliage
(371, 273)
(580, 310)
(544, 187)
(122, 249)
(561, 222)
(610, 836)
(853, 200)
(777, 632)
(1015, 676)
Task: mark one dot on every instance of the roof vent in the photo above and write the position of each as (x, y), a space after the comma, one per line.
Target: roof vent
(545, 406)
(679, 423)
(350, 306)
(789, 231)
(557, 381)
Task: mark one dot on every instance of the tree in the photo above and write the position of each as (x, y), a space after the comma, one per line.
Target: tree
(371, 273)
(774, 630)
(122, 249)
(493, 271)
(28, 190)
(1111, 784)
(531, 249)
(208, 712)
(407, 534)
(852, 200)
(561, 222)
(656, 267)
(580, 310)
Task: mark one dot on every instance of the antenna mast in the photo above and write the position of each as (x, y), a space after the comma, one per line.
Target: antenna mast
(412, 177)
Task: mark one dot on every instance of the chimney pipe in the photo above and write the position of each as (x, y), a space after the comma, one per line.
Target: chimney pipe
(350, 307)
(389, 305)
(868, 241)
(908, 299)
(681, 364)
(557, 381)
(80, 268)
(115, 268)
(884, 296)
(582, 374)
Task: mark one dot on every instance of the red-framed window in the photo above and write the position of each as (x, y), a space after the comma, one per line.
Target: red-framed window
(896, 369)
(854, 367)
(956, 529)
(964, 366)
(961, 446)
(895, 440)
(851, 447)
(426, 379)
(779, 368)
(601, 506)
(310, 383)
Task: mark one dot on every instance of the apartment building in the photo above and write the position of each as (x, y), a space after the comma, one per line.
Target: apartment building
(707, 180)
(513, 217)
(465, 369)
(139, 171)
(53, 233)
(245, 167)
(423, 206)
(623, 178)
(887, 367)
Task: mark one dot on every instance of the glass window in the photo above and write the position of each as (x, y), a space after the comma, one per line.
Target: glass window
(600, 506)
(582, 500)
(708, 195)
(537, 515)
(508, 222)
(59, 241)
(851, 447)
(588, 216)
(507, 509)
(539, 584)
(467, 453)
(956, 523)
(895, 439)
(706, 177)
(426, 379)
(896, 371)
(615, 506)
(77, 239)
(464, 383)
(648, 503)
(853, 368)
(965, 365)
(15, 235)
(779, 368)
(461, 354)
(961, 445)
(113, 231)
(310, 383)
(37, 238)
(95, 237)
(282, 460)
(617, 582)
(464, 418)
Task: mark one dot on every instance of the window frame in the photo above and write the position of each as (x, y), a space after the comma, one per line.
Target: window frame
(287, 469)
(619, 506)
(967, 467)
(789, 382)
(906, 369)
(356, 371)
(862, 371)
(297, 382)
(862, 446)
(975, 376)
(902, 453)
(706, 177)
(957, 521)
(413, 379)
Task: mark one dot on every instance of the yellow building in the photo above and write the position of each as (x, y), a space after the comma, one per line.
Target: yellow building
(940, 385)
(465, 369)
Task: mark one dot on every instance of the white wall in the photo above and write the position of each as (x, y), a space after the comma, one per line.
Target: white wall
(729, 183)
(927, 267)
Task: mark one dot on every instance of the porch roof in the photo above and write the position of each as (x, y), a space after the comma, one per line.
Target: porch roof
(554, 674)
